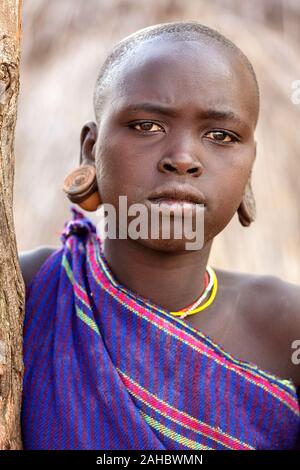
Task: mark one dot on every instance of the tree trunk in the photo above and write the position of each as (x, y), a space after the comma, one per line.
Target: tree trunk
(11, 283)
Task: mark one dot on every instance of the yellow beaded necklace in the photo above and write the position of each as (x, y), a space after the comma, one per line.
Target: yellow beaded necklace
(213, 286)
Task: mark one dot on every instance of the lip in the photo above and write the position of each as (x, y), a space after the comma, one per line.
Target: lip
(178, 194)
(174, 207)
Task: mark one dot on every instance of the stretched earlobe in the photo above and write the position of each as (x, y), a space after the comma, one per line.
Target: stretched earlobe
(81, 188)
(247, 208)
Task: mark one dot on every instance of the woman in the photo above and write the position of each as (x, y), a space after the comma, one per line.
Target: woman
(137, 343)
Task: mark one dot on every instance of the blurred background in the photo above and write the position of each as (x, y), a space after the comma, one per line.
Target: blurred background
(64, 45)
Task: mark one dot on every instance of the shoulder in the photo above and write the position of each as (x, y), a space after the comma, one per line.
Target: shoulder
(277, 308)
(267, 310)
(281, 305)
(277, 297)
(275, 304)
(266, 293)
(31, 261)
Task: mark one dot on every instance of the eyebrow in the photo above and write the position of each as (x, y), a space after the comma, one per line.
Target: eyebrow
(165, 110)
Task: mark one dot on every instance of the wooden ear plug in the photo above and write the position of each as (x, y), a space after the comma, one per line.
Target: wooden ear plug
(81, 187)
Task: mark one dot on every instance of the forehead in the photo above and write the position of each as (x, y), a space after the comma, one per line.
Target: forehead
(184, 74)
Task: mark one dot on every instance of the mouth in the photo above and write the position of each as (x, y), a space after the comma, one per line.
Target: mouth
(177, 195)
(177, 200)
(175, 205)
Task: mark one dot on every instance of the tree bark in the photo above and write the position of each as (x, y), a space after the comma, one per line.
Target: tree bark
(11, 282)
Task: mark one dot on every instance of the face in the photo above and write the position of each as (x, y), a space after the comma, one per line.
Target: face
(178, 113)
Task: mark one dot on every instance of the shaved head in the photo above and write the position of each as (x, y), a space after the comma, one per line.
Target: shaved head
(175, 31)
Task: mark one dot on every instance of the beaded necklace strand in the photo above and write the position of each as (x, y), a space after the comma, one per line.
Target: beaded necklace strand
(211, 286)
(202, 296)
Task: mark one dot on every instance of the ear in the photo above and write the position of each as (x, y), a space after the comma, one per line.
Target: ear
(255, 149)
(88, 138)
(247, 208)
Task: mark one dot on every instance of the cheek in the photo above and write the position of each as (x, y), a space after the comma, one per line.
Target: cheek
(119, 175)
(226, 193)
(108, 177)
(230, 188)
(234, 174)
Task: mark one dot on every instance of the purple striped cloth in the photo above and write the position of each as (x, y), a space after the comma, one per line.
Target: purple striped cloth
(107, 369)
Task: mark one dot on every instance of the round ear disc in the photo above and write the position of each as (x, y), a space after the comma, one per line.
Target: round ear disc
(81, 187)
(80, 183)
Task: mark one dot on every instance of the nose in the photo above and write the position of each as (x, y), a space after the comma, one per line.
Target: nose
(180, 162)
(181, 166)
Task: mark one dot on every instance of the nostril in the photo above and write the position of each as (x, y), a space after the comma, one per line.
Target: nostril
(169, 167)
(193, 170)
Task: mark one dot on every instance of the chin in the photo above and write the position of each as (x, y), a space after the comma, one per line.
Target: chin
(164, 245)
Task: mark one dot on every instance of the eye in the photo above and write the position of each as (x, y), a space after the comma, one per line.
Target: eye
(147, 126)
(222, 136)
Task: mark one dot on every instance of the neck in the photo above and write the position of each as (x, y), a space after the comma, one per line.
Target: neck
(169, 280)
